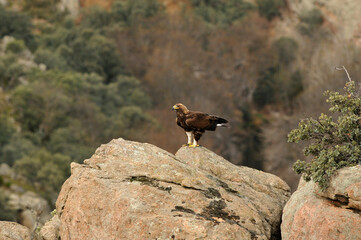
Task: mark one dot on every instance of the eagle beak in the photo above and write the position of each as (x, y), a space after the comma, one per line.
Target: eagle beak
(175, 107)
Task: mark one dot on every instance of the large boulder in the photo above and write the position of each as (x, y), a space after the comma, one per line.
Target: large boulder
(333, 214)
(130, 190)
(13, 231)
(33, 210)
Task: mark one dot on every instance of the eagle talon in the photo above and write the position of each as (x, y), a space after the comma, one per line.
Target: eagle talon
(186, 144)
(193, 146)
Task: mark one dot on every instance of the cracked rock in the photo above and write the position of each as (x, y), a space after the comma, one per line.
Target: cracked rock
(333, 214)
(131, 190)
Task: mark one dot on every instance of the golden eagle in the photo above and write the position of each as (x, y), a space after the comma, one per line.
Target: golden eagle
(196, 123)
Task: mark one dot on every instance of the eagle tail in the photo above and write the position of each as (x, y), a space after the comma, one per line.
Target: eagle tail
(221, 122)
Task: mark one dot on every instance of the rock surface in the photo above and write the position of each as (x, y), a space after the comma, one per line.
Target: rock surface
(130, 190)
(332, 215)
(32, 208)
(13, 231)
(73, 6)
(50, 231)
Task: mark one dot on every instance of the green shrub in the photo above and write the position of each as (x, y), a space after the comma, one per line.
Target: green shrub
(17, 25)
(221, 12)
(332, 144)
(10, 71)
(310, 21)
(43, 9)
(95, 17)
(270, 8)
(90, 52)
(295, 86)
(132, 11)
(7, 129)
(266, 87)
(16, 46)
(51, 59)
(286, 49)
(16, 148)
(276, 85)
(313, 17)
(42, 167)
(28, 108)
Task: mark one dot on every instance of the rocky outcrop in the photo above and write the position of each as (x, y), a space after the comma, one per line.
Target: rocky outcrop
(72, 6)
(130, 190)
(32, 208)
(29, 208)
(13, 231)
(332, 215)
(50, 231)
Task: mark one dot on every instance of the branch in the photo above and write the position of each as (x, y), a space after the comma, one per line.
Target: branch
(343, 68)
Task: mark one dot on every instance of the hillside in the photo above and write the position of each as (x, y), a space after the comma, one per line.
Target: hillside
(73, 79)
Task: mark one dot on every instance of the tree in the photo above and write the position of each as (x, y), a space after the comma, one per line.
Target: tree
(17, 25)
(310, 21)
(286, 49)
(90, 52)
(17, 147)
(132, 11)
(333, 144)
(265, 90)
(220, 12)
(28, 108)
(7, 129)
(270, 8)
(43, 168)
(10, 71)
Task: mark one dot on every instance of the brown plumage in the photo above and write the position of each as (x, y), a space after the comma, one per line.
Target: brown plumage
(196, 123)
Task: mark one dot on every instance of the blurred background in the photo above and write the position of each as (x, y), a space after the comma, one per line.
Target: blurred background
(75, 74)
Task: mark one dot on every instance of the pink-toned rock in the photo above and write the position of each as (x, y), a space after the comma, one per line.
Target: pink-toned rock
(50, 231)
(345, 187)
(130, 190)
(13, 231)
(330, 215)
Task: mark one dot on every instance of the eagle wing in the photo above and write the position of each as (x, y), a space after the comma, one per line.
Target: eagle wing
(198, 120)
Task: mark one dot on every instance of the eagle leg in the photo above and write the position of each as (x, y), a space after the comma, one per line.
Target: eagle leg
(196, 136)
(190, 138)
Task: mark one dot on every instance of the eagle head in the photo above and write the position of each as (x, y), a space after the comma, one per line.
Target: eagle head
(180, 107)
